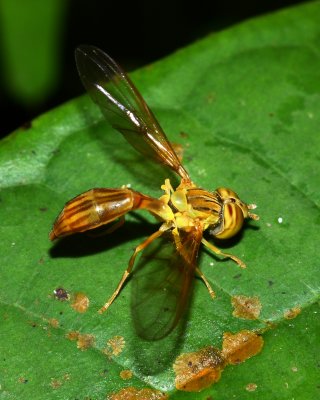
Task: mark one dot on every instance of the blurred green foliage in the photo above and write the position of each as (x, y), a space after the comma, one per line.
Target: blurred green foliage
(38, 38)
(32, 31)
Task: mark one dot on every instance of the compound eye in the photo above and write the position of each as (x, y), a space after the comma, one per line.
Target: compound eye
(232, 221)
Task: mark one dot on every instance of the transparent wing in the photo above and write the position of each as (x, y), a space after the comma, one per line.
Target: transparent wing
(124, 107)
(162, 283)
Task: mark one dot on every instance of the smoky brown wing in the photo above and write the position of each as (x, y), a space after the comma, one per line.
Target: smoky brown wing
(162, 284)
(124, 107)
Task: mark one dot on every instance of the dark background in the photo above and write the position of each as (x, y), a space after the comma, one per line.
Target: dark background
(134, 33)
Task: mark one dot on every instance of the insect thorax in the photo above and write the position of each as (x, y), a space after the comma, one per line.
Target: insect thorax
(191, 205)
(221, 211)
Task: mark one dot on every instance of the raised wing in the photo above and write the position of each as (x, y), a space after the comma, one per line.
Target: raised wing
(162, 283)
(124, 107)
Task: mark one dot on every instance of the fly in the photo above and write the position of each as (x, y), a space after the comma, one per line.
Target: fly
(185, 212)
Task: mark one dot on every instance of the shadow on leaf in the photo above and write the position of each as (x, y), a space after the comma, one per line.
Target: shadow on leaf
(98, 241)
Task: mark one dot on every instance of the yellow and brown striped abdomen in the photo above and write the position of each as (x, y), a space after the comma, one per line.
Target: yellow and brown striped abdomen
(94, 208)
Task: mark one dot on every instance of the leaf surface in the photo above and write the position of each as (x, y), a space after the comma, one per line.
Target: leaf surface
(244, 106)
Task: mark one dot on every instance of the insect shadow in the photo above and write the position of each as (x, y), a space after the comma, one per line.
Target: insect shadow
(99, 240)
(158, 316)
(153, 357)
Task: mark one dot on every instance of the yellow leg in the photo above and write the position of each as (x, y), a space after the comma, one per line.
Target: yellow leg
(107, 231)
(116, 225)
(218, 251)
(204, 279)
(127, 272)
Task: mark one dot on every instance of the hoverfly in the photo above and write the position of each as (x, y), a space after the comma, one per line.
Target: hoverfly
(186, 211)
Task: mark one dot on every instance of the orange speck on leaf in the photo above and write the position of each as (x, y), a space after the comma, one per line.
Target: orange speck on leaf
(80, 302)
(292, 313)
(84, 341)
(198, 370)
(126, 374)
(246, 307)
(251, 387)
(132, 393)
(238, 347)
(114, 346)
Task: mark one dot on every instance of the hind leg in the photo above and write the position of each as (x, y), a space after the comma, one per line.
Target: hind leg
(127, 272)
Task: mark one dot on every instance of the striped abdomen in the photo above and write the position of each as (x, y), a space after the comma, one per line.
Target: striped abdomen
(97, 207)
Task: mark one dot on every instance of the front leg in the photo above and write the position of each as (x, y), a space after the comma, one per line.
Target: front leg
(216, 250)
(168, 190)
(205, 281)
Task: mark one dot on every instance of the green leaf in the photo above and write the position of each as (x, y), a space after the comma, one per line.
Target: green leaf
(244, 105)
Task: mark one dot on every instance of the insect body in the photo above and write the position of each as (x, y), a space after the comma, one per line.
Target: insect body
(186, 212)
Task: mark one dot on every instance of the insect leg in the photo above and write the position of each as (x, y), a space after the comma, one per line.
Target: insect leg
(205, 281)
(116, 226)
(218, 251)
(127, 272)
(110, 230)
